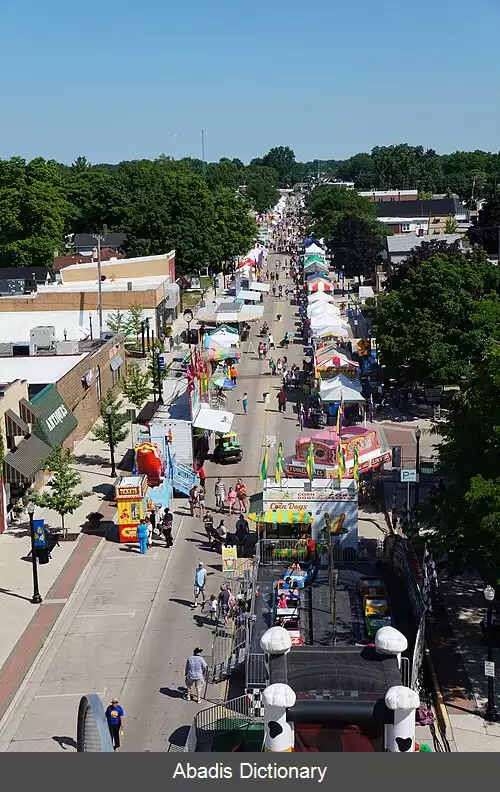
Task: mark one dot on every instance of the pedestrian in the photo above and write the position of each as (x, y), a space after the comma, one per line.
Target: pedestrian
(212, 607)
(244, 402)
(202, 502)
(202, 476)
(193, 499)
(142, 535)
(224, 595)
(196, 673)
(274, 290)
(272, 366)
(231, 499)
(222, 531)
(242, 529)
(282, 401)
(149, 526)
(115, 719)
(167, 527)
(171, 343)
(300, 410)
(242, 494)
(285, 364)
(200, 579)
(220, 494)
(270, 342)
(233, 373)
(279, 367)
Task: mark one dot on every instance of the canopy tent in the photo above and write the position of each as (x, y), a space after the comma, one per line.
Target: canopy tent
(317, 276)
(221, 345)
(319, 285)
(260, 287)
(329, 357)
(315, 266)
(340, 388)
(313, 250)
(224, 335)
(223, 382)
(323, 309)
(246, 294)
(320, 297)
(241, 313)
(308, 242)
(213, 420)
(247, 262)
(314, 260)
(329, 329)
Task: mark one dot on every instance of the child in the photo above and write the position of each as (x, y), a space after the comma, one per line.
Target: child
(231, 499)
(282, 601)
(212, 607)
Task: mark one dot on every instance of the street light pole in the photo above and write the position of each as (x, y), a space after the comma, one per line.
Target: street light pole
(36, 598)
(418, 435)
(188, 318)
(99, 238)
(109, 413)
(491, 713)
(143, 343)
(147, 332)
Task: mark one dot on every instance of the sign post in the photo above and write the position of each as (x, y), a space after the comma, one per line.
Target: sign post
(408, 475)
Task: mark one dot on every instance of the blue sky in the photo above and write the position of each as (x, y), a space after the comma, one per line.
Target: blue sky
(116, 80)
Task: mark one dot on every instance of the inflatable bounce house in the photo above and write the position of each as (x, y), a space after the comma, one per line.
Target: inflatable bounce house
(326, 699)
(149, 462)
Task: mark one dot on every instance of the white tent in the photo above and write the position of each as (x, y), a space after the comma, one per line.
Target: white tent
(320, 297)
(226, 337)
(320, 319)
(213, 420)
(340, 388)
(319, 309)
(330, 328)
(314, 250)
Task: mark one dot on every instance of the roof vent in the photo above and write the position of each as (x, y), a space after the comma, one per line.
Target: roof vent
(129, 286)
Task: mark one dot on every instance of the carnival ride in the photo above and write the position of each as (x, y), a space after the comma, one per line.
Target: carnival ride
(325, 446)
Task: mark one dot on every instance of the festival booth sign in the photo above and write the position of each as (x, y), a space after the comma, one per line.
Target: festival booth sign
(229, 559)
(131, 502)
(340, 388)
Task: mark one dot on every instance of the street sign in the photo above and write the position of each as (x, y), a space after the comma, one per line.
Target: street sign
(161, 362)
(433, 395)
(489, 668)
(408, 475)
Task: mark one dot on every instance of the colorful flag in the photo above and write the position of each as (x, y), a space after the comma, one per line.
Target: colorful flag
(340, 414)
(355, 469)
(371, 407)
(279, 464)
(263, 469)
(340, 463)
(310, 462)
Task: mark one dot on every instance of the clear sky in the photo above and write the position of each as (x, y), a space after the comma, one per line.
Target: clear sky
(115, 79)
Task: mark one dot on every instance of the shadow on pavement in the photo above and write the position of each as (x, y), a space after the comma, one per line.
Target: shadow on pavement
(180, 735)
(12, 593)
(65, 742)
(187, 603)
(175, 693)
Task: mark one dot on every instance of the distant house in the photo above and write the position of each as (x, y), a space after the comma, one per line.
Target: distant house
(22, 280)
(85, 243)
(399, 247)
(376, 196)
(426, 218)
(60, 262)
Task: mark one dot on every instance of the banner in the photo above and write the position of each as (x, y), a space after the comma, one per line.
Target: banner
(39, 528)
(229, 559)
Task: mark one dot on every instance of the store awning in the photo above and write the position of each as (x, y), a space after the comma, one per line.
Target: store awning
(282, 516)
(115, 362)
(213, 420)
(24, 463)
(28, 412)
(56, 421)
(14, 425)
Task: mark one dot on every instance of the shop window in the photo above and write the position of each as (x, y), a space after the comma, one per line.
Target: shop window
(116, 376)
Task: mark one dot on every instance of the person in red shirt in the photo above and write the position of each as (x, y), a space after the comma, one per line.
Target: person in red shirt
(202, 476)
(311, 549)
(282, 400)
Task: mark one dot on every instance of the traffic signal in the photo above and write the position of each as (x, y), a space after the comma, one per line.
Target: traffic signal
(396, 456)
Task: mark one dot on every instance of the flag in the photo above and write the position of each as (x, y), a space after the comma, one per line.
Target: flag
(371, 407)
(263, 469)
(340, 414)
(310, 462)
(340, 463)
(279, 464)
(355, 469)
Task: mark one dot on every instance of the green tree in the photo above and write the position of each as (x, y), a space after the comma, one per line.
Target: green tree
(136, 385)
(357, 244)
(134, 320)
(117, 322)
(234, 227)
(281, 159)
(328, 204)
(262, 188)
(60, 495)
(485, 229)
(119, 420)
(450, 226)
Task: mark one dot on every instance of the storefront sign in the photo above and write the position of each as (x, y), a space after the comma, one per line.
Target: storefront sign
(128, 492)
(314, 495)
(229, 559)
(56, 421)
(56, 418)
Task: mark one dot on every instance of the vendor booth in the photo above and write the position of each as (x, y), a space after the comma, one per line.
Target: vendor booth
(340, 388)
(131, 501)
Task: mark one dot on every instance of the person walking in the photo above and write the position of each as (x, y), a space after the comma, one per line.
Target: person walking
(142, 535)
(149, 526)
(115, 719)
(196, 673)
(233, 373)
(220, 494)
(270, 342)
(244, 403)
(202, 503)
(242, 494)
(200, 579)
(167, 523)
(224, 596)
(171, 343)
(282, 401)
(193, 499)
(202, 476)
(279, 367)
(301, 412)
(231, 499)
(152, 519)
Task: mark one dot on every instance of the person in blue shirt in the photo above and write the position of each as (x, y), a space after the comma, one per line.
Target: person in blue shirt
(114, 717)
(142, 535)
(287, 583)
(200, 579)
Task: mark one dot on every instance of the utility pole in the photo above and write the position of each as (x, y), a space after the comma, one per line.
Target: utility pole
(203, 151)
(99, 238)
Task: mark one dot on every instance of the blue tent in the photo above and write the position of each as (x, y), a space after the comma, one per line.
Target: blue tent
(309, 241)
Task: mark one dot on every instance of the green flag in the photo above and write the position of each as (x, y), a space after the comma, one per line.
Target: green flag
(263, 469)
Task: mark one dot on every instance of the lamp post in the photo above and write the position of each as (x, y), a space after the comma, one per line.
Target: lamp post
(36, 598)
(491, 713)
(99, 238)
(418, 435)
(147, 331)
(109, 413)
(188, 318)
(143, 342)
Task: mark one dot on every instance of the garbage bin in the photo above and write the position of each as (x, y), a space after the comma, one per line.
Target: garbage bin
(265, 398)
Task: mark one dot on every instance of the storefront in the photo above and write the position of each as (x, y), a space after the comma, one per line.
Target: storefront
(168, 310)
(297, 509)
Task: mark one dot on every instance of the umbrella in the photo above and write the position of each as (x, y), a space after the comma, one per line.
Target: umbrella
(223, 382)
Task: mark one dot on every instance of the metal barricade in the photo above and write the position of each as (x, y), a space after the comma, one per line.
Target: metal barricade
(223, 718)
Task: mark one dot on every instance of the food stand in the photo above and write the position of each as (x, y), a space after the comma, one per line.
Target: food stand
(130, 497)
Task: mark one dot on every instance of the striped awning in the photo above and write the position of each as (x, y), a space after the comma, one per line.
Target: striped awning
(28, 411)
(23, 464)
(14, 425)
(282, 516)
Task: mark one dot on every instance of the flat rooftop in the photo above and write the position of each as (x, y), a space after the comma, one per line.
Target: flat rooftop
(116, 285)
(109, 264)
(38, 370)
